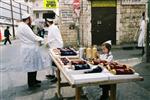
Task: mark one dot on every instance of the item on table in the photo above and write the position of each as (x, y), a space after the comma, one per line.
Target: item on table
(94, 52)
(65, 61)
(81, 66)
(104, 62)
(79, 62)
(88, 52)
(111, 66)
(95, 70)
(96, 62)
(82, 53)
(67, 52)
(56, 51)
(122, 71)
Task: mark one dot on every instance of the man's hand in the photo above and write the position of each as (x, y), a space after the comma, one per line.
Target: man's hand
(46, 45)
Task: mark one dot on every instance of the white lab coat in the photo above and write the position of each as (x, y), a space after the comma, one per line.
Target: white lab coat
(31, 58)
(141, 39)
(107, 57)
(54, 37)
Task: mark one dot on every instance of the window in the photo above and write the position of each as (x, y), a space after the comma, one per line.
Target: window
(37, 15)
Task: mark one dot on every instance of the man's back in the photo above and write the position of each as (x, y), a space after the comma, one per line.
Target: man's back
(54, 37)
(6, 33)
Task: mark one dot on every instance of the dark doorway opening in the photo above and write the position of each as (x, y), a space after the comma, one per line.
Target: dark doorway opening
(103, 25)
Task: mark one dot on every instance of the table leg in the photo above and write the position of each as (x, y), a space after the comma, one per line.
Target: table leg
(58, 83)
(113, 92)
(78, 96)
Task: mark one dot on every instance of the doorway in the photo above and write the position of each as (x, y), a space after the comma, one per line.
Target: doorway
(103, 25)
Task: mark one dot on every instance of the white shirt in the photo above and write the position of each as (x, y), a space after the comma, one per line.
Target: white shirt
(54, 37)
(107, 57)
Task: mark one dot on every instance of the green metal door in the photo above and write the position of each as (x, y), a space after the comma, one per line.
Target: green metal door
(103, 22)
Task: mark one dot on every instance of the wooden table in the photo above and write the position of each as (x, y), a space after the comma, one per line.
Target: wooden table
(77, 79)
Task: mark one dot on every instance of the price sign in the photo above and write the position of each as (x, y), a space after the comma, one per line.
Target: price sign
(50, 4)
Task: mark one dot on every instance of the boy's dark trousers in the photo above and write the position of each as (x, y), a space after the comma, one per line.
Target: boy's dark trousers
(7, 39)
(105, 92)
(32, 78)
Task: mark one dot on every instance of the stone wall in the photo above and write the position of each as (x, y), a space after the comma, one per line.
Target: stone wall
(130, 17)
(66, 20)
(85, 23)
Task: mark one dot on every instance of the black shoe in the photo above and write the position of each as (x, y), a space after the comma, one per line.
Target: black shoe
(50, 76)
(54, 80)
(37, 81)
(103, 97)
(34, 86)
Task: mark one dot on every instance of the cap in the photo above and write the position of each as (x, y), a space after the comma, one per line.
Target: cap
(26, 15)
(48, 19)
(109, 42)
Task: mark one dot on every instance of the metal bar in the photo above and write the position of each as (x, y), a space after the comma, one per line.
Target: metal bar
(10, 10)
(15, 6)
(6, 24)
(5, 8)
(12, 19)
(8, 17)
(5, 2)
(16, 12)
(20, 11)
(5, 17)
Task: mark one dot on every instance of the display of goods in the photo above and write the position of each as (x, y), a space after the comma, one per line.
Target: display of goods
(67, 52)
(114, 67)
(65, 61)
(119, 69)
(122, 71)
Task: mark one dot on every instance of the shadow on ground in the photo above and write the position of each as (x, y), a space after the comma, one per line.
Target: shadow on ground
(25, 91)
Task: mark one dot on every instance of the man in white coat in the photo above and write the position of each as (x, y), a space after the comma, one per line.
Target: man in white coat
(32, 60)
(141, 39)
(54, 41)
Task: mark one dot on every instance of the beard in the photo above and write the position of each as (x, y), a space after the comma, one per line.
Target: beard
(29, 23)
